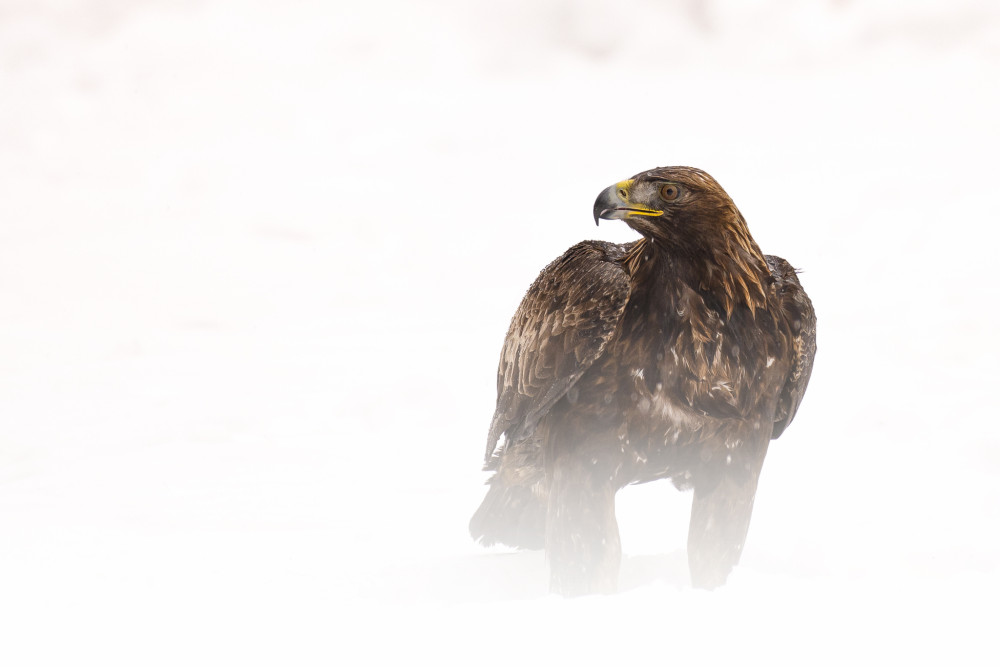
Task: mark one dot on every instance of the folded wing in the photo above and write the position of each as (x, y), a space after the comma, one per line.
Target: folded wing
(562, 326)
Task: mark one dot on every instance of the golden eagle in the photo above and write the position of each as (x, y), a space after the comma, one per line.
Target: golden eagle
(677, 356)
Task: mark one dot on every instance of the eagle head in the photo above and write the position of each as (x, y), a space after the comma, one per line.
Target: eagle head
(673, 204)
(686, 210)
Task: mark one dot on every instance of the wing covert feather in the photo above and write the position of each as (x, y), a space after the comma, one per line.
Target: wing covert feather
(798, 312)
(562, 326)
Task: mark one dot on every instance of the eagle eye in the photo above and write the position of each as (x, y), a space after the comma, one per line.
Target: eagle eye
(670, 192)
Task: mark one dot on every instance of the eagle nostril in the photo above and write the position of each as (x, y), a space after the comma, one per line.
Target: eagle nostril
(622, 194)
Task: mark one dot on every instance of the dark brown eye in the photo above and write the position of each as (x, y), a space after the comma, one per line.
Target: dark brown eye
(670, 192)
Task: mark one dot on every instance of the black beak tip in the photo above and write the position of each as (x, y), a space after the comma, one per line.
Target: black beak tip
(605, 204)
(599, 212)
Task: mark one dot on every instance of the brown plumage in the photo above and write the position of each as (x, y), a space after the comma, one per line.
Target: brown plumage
(677, 356)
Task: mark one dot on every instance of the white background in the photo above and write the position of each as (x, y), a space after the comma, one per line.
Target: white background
(256, 264)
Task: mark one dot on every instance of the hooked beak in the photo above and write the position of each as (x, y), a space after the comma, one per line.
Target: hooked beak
(614, 204)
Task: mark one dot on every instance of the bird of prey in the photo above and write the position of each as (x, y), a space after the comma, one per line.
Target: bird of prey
(677, 356)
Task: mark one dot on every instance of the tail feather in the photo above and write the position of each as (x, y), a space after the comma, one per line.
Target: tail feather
(511, 515)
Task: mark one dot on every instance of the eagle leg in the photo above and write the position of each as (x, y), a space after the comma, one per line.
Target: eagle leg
(720, 517)
(581, 537)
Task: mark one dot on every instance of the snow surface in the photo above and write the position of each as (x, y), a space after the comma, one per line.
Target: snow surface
(257, 260)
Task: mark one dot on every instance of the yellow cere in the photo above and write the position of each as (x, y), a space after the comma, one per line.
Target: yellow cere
(624, 185)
